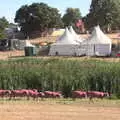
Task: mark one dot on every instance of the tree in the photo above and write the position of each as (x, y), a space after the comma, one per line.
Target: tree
(71, 16)
(3, 24)
(37, 16)
(106, 13)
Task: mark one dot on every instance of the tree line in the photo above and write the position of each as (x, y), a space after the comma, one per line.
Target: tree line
(41, 17)
(3, 24)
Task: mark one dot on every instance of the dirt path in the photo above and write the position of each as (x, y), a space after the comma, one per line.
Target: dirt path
(39, 111)
(8, 54)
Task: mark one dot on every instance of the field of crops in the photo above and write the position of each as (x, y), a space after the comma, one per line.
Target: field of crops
(57, 74)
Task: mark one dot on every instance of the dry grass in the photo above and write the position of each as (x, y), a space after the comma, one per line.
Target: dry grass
(8, 54)
(33, 110)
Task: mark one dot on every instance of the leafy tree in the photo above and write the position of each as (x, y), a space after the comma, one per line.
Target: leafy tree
(71, 16)
(37, 16)
(105, 13)
(3, 24)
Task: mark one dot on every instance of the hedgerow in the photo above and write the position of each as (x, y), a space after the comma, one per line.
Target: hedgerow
(60, 75)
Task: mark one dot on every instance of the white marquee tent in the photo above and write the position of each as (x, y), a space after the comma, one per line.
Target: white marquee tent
(70, 44)
(98, 44)
(65, 45)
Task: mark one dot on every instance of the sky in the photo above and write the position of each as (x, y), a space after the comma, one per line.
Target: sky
(8, 8)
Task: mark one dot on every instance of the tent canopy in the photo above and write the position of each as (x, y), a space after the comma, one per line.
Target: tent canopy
(98, 37)
(76, 37)
(66, 38)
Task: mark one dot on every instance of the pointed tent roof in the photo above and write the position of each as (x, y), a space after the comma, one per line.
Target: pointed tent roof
(76, 37)
(66, 38)
(98, 37)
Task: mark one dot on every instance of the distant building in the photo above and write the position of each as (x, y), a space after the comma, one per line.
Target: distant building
(13, 32)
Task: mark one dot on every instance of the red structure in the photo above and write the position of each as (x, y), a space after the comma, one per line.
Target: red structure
(80, 25)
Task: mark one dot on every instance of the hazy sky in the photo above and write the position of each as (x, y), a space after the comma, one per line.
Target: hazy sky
(8, 8)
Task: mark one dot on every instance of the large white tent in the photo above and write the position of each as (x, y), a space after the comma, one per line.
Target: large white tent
(70, 44)
(65, 45)
(98, 44)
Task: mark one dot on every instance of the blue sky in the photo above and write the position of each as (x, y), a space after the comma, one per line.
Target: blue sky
(8, 8)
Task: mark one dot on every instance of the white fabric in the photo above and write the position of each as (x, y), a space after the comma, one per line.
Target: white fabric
(81, 50)
(64, 50)
(65, 45)
(102, 50)
(98, 44)
(98, 37)
(66, 38)
(28, 44)
(76, 37)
